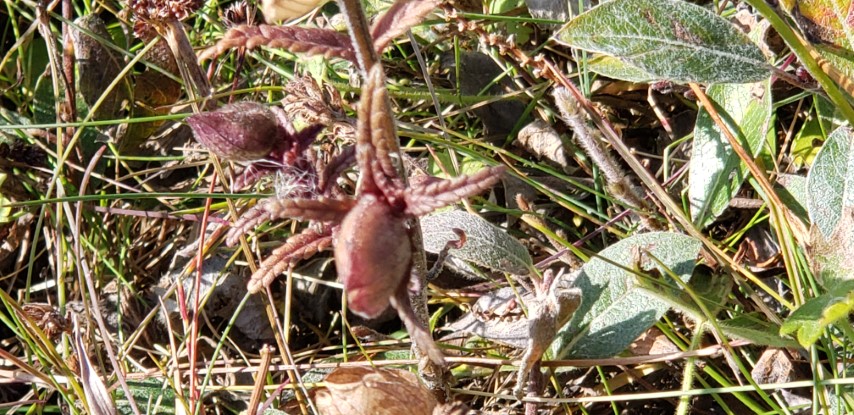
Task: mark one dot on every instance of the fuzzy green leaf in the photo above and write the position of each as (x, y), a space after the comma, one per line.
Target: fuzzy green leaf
(753, 328)
(486, 244)
(614, 309)
(716, 170)
(830, 182)
(150, 395)
(669, 39)
(706, 287)
(792, 190)
(811, 318)
(618, 69)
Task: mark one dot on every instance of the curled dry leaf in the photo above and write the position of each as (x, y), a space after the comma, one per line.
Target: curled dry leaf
(499, 316)
(98, 400)
(47, 318)
(541, 139)
(777, 366)
(380, 391)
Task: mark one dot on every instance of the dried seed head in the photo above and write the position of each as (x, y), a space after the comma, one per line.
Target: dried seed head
(161, 10)
(244, 131)
(148, 12)
(238, 13)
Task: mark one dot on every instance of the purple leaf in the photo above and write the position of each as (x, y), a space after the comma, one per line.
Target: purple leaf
(429, 196)
(301, 246)
(244, 131)
(295, 39)
(399, 18)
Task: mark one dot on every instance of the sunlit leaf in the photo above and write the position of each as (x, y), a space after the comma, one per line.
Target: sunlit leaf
(486, 244)
(614, 309)
(669, 39)
(716, 171)
(811, 318)
(616, 68)
(753, 328)
(830, 182)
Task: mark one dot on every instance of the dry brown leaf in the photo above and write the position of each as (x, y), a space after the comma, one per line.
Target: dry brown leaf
(541, 139)
(380, 391)
(774, 366)
(98, 400)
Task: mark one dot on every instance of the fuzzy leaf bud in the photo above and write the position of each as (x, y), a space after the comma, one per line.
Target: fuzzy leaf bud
(244, 131)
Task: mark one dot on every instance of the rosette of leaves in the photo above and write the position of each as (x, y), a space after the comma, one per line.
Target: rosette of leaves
(369, 233)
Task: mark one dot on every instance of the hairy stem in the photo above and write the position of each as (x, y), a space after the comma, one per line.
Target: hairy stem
(360, 32)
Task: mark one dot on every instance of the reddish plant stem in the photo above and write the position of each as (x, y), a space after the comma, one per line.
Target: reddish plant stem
(357, 25)
(197, 288)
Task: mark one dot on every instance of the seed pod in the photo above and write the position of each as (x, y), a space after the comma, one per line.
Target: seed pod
(372, 255)
(244, 131)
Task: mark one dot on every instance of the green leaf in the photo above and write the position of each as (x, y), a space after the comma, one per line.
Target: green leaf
(830, 183)
(522, 33)
(792, 190)
(825, 21)
(716, 170)
(151, 397)
(617, 69)
(44, 112)
(614, 310)
(486, 244)
(833, 256)
(709, 288)
(669, 39)
(807, 142)
(5, 210)
(811, 318)
(753, 328)
(11, 118)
